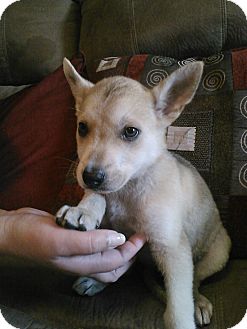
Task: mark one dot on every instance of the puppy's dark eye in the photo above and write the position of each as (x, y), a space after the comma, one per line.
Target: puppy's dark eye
(130, 133)
(82, 129)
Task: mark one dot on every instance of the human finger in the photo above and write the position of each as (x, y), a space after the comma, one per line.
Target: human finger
(114, 275)
(73, 243)
(102, 262)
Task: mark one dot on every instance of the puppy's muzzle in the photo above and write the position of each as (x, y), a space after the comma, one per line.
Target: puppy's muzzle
(93, 177)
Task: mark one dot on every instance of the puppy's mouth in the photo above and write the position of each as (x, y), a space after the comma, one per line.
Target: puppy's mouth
(104, 191)
(100, 180)
(106, 187)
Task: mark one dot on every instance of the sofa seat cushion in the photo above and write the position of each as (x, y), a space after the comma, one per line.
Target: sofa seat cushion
(45, 300)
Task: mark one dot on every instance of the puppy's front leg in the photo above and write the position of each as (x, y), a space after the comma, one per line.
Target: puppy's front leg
(87, 215)
(175, 263)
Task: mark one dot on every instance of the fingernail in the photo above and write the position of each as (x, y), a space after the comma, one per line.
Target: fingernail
(116, 239)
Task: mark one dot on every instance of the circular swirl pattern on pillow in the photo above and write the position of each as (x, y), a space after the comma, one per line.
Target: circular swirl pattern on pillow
(187, 61)
(243, 141)
(215, 59)
(243, 107)
(155, 76)
(163, 61)
(243, 176)
(214, 80)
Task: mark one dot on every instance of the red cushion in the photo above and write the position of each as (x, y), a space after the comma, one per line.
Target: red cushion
(37, 140)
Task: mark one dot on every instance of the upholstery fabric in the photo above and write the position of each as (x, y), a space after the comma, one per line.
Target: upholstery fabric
(34, 37)
(236, 27)
(178, 29)
(7, 91)
(41, 299)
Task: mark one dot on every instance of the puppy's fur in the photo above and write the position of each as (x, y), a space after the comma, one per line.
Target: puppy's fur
(146, 188)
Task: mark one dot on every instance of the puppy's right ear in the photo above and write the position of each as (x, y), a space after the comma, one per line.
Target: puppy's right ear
(79, 86)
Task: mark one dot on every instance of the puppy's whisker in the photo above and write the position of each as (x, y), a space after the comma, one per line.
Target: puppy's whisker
(75, 162)
(74, 173)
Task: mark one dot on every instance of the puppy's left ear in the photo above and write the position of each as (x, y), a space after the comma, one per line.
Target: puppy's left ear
(172, 94)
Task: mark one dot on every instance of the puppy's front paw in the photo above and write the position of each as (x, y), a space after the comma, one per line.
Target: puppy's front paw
(88, 286)
(76, 218)
(203, 310)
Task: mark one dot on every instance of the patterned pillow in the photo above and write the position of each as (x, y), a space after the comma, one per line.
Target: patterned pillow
(211, 132)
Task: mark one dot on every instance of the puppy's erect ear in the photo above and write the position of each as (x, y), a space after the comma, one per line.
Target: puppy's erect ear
(78, 85)
(172, 94)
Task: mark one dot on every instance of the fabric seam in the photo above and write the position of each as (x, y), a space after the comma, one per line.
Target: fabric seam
(223, 22)
(132, 27)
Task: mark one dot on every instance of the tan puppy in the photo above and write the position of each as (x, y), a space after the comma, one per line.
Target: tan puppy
(139, 186)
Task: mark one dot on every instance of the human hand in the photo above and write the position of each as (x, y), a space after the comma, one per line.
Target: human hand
(33, 234)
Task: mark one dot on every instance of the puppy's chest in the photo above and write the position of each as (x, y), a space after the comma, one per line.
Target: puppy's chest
(124, 214)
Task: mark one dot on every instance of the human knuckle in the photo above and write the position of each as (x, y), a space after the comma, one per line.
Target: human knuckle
(53, 249)
(91, 244)
(56, 262)
(114, 276)
(96, 241)
(123, 258)
(113, 261)
(111, 277)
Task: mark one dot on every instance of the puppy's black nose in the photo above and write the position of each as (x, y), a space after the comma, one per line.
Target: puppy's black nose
(93, 177)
